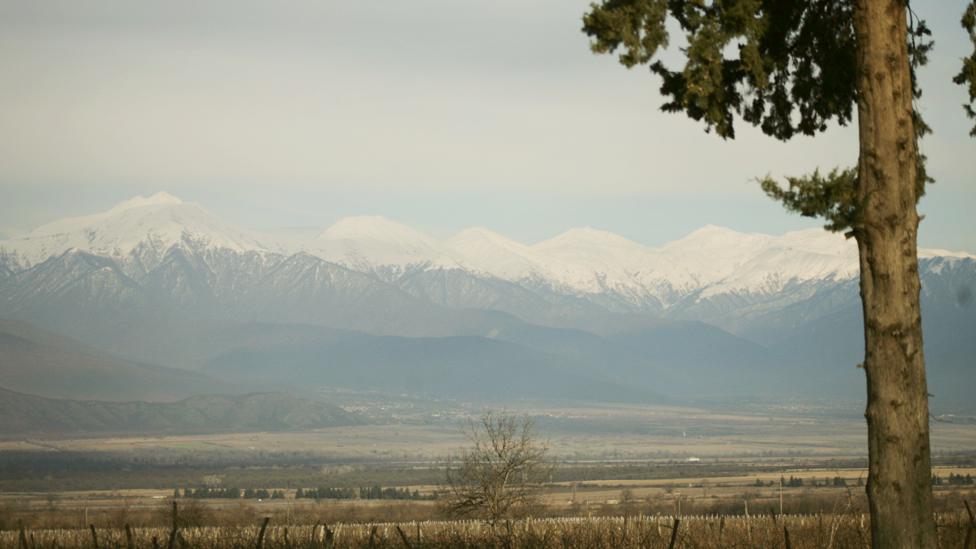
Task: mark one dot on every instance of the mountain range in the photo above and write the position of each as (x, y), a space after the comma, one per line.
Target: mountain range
(371, 303)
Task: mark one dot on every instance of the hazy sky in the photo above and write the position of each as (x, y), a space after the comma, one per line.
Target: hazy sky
(439, 113)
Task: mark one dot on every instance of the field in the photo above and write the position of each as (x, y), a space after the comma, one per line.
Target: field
(401, 432)
(745, 509)
(623, 473)
(769, 531)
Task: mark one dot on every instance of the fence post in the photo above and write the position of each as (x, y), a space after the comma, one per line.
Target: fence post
(264, 528)
(403, 536)
(172, 532)
(674, 533)
(968, 544)
(329, 537)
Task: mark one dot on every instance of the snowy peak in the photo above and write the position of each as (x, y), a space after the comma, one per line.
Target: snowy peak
(369, 242)
(588, 237)
(473, 235)
(722, 260)
(713, 232)
(711, 239)
(488, 252)
(594, 261)
(376, 228)
(936, 252)
(477, 241)
(158, 199)
(589, 249)
(582, 261)
(139, 225)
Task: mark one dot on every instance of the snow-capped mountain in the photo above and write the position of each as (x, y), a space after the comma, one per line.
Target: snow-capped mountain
(594, 261)
(584, 262)
(376, 243)
(165, 281)
(140, 230)
(179, 249)
(487, 252)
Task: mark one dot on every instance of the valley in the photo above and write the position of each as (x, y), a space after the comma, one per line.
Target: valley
(400, 441)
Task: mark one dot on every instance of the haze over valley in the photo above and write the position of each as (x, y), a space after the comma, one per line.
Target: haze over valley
(157, 299)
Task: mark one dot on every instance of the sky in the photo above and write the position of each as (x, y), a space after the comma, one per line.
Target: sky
(441, 114)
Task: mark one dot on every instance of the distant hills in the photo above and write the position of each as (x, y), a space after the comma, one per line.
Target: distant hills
(22, 414)
(38, 361)
(370, 303)
(460, 366)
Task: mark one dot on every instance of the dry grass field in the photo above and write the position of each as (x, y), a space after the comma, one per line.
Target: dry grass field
(582, 432)
(737, 495)
(832, 531)
(624, 472)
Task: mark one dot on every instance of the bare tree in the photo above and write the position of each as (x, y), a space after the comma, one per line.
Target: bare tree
(502, 470)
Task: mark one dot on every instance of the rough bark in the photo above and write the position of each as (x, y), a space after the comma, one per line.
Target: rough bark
(899, 482)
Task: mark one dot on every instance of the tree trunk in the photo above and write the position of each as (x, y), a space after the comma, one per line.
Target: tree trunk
(899, 482)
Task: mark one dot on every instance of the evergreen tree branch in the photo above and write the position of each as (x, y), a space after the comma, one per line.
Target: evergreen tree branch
(831, 197)
(967, 75)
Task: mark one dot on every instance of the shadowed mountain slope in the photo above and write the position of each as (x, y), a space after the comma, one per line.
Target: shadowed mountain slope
(463, 366)
(29, 414)
(40, 362)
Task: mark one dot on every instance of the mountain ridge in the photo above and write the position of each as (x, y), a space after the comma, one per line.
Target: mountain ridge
(155, 301)
(581, 260)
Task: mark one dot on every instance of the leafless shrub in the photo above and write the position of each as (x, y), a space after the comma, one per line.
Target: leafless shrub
(502, 470)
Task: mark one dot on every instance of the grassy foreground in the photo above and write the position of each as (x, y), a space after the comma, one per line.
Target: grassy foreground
(766, 531)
